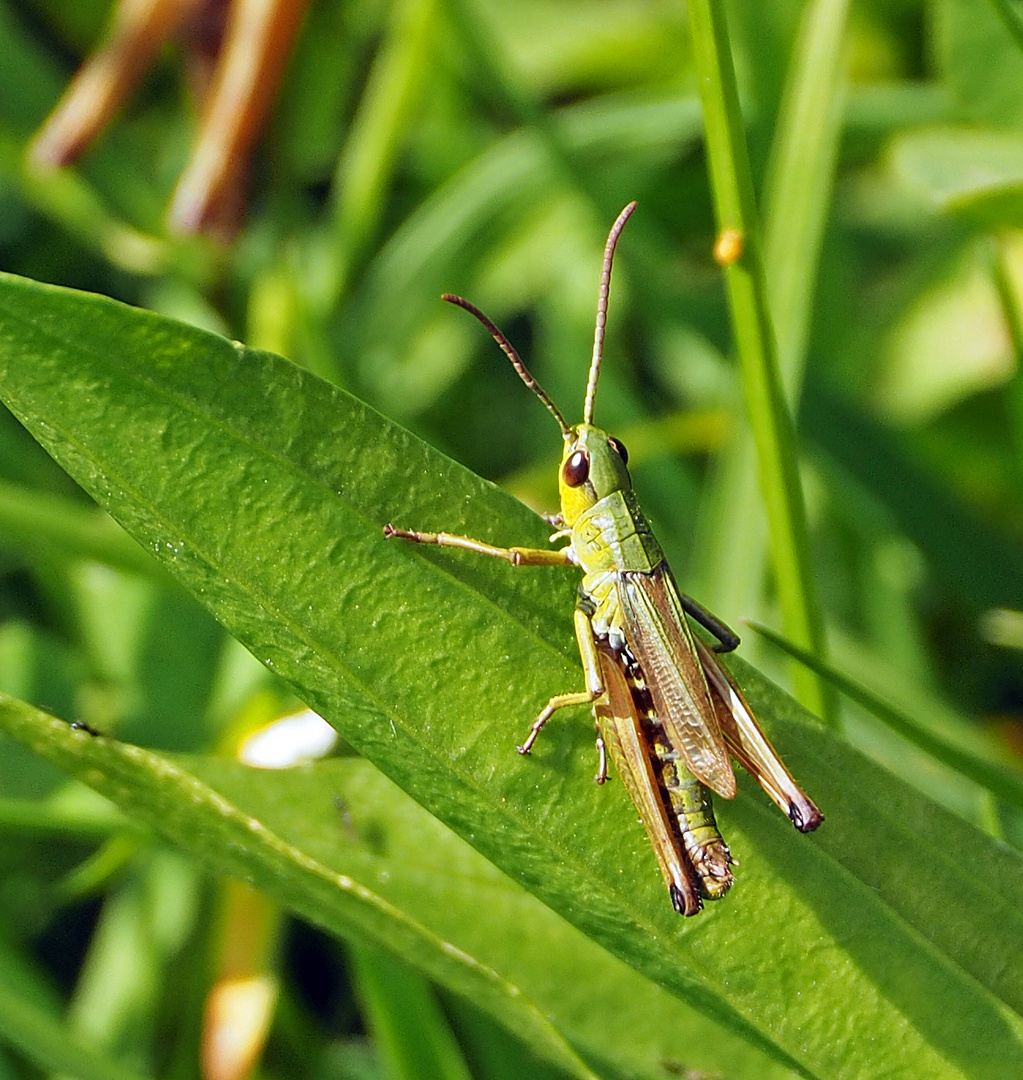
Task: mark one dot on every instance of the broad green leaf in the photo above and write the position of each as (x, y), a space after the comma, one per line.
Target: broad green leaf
(397, 859)
(419, 865)
(192, 813)
(264, 490)
(975, 173)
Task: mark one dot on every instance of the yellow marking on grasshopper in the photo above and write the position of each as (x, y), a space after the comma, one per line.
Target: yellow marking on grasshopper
(666, 708)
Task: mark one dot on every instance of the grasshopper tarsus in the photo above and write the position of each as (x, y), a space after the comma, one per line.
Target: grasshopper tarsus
(535, 730)
(559, 701)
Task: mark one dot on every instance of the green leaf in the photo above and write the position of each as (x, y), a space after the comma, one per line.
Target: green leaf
(975, 173)
(264, 490)
(966, 751)
(416, 880)
(408, 1025)
(193, 814)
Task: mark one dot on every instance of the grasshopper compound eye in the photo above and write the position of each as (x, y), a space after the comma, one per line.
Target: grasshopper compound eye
(619, 448)
(577, 469)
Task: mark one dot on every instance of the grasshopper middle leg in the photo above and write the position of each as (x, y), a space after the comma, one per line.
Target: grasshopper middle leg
(591, 669)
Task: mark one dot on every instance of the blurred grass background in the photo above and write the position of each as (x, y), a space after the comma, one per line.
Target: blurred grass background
(484, 149)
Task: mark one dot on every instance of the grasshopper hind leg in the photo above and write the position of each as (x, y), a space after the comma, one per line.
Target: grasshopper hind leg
(728, 639)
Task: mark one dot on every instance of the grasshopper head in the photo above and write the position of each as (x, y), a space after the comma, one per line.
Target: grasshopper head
(592, 467)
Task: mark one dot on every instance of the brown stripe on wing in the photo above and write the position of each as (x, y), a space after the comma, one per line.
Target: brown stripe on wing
(661, 641)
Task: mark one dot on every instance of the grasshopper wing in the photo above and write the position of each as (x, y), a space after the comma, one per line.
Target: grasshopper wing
(660, 639)
(752, 748)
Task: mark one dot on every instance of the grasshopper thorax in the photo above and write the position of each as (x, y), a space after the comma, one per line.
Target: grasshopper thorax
(593, 465)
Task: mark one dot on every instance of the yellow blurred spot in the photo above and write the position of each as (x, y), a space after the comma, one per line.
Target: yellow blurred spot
(728, 247)
(238, 1016)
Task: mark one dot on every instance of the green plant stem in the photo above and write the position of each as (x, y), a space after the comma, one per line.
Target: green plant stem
(797, 192)
(368, 157)
(744, 277)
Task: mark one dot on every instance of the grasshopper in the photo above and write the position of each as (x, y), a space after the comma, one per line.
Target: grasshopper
(665, 707)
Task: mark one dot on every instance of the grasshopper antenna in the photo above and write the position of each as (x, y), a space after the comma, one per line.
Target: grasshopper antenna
(508, 349)
(598, 333)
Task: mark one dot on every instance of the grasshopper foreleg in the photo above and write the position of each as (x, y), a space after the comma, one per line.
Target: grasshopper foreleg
(517, 556)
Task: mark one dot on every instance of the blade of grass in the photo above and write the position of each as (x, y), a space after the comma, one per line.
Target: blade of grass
(368, 156)
(1008, 295)
(975, 558)
(801, 172)
(798, 188)
(412, 1034)
(1011, 19)
(30, 518)
(735, 206)
(430, 243)
(975, 758)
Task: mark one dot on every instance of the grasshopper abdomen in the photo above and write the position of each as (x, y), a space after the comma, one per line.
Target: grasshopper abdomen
(691, 843)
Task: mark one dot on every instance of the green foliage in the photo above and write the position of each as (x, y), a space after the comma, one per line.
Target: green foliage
(485, 149)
